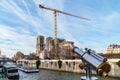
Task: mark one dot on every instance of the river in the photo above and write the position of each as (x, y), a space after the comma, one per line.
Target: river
(49, 75)
(55, 75)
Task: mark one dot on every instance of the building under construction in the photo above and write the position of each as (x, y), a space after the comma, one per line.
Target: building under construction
(55, 51)
(39, 45)
(64, 48)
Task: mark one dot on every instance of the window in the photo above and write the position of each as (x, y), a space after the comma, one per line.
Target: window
(12, 71)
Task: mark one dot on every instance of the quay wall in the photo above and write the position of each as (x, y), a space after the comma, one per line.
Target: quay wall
(68, 65)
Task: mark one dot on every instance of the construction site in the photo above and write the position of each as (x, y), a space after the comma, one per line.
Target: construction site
(45, 49)
(55, 48)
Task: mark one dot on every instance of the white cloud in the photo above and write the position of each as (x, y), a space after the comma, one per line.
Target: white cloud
(22, 42)
(21, 38)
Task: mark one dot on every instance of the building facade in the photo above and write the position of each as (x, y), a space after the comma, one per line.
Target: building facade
(49, 43)
(65, 50)
(113, 49)
(39, 45)
(47, 49)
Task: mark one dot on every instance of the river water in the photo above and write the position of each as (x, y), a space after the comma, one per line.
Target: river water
(49, 75)
(55, 75)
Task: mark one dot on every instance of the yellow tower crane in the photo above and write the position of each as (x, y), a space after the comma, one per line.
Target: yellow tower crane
(55, 11)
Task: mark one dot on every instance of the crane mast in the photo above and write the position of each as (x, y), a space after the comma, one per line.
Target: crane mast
(55, 24)
(55, 34)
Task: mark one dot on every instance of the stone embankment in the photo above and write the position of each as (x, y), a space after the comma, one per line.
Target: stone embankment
(68, 65)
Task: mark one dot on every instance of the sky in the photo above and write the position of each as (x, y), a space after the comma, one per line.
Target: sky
(21, 21)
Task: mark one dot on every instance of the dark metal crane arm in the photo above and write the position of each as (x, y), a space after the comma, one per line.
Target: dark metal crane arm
(41, 6)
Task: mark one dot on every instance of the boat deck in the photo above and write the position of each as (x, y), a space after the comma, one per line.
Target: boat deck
(28, 70)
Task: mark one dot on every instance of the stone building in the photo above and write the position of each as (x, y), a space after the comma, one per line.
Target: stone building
(65, 50)
(113, 49)
(49, 43)
(39, 45)
(18, 55)
(47, 50)
(51, 48)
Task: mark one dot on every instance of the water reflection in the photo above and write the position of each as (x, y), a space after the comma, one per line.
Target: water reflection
(55, 75)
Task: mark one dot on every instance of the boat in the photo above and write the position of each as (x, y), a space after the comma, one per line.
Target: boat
(29, 69)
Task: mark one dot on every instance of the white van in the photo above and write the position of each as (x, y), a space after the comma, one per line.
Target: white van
(10, 71)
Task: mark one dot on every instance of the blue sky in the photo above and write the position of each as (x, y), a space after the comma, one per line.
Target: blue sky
(22, 20)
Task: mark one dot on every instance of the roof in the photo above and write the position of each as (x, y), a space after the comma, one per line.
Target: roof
(9, 64)
(111, 56)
